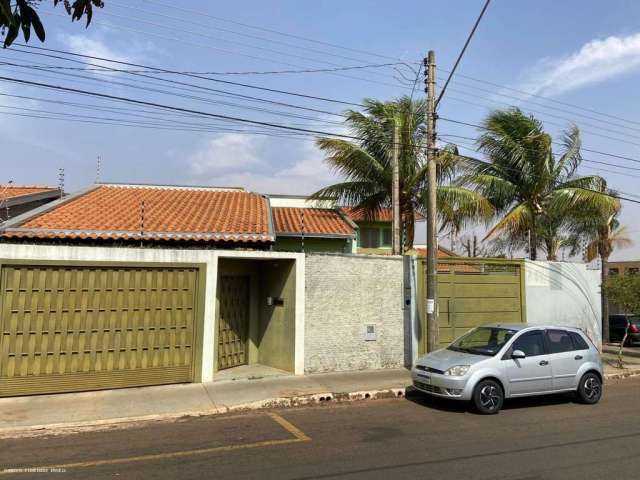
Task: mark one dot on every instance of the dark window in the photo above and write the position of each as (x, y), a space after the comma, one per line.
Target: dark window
(369, 238)
(617, 321)
(386, 237)
(614, 271)
(559, 341)
(531, 343)
(578, 341)
(633, 270)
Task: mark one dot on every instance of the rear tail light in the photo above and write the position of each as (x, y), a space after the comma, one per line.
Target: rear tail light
(633, 328)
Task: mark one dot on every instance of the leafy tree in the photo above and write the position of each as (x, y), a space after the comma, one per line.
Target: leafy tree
(624, 290)
(22, 16)
(366, 165)
(532, 190)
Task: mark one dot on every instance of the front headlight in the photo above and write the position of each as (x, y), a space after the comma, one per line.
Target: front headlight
(458, 370)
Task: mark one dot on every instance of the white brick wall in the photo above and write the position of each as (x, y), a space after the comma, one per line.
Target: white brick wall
(344, 293)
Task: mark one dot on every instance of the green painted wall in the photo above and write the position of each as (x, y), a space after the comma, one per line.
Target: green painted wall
(271, 328)
(294, 244)
(277, 323)
(383, 249)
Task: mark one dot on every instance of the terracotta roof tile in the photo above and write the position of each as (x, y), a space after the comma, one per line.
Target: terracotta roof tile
(18, 191)
(380, 215)
(170, 213)
(316, 221)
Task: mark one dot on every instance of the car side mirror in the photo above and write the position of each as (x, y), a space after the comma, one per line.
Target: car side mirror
(518, 354)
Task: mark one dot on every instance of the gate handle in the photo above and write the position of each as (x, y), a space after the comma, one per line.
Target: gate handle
(578, 357)
(544, 362)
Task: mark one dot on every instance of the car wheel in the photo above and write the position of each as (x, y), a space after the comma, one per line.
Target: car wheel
(590, 389)
(488, 397)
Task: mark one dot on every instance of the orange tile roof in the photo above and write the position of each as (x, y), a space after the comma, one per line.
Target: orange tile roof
(170, 213)
(319, 221)
(442, 253)
(11, 192)
(380, 215)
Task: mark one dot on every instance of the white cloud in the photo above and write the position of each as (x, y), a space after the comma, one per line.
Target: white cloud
(597, 61)
(260, 164)
(92, 47)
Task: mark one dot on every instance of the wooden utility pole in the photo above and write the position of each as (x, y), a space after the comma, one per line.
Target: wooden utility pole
(395, 191)
(432, 238)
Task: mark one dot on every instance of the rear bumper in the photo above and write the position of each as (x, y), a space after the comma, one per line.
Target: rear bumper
(455, 388)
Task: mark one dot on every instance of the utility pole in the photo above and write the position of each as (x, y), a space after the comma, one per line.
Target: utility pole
(395, 191)
(432, 238)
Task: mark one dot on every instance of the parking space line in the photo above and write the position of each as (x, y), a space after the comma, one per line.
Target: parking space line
(299, 436)
(289, 427)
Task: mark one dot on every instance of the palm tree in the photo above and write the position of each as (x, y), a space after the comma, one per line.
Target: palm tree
(603, 234)
(366, 167)
(529, 186)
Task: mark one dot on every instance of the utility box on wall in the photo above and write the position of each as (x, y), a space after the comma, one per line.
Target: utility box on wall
(370, 333)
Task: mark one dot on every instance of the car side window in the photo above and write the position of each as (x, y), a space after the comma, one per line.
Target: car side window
(578, 341)
(559, 341)
(531, 343)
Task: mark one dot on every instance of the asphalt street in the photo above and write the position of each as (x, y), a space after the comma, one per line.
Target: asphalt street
(418, 437)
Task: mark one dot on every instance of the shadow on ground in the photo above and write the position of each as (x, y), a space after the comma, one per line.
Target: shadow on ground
(456, 406)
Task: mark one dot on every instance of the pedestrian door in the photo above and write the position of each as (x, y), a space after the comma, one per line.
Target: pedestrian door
(233, 321)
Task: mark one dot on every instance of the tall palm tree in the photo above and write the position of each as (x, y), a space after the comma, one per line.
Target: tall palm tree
(603, 234)
(365, 165)
(529, 186)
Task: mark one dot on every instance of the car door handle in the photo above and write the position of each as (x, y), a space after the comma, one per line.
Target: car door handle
(544, 362)
(578, 357)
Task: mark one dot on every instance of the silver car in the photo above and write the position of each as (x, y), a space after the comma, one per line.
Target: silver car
(494, 362)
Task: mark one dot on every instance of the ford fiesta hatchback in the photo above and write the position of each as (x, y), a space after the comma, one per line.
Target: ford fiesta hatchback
(494, 362)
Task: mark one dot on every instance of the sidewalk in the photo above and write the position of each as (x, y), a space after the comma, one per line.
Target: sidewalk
(75, 412)
(71, 412)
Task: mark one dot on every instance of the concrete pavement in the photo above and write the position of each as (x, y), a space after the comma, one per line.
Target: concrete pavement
(544, 438)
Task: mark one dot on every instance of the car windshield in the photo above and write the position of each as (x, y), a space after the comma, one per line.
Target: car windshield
(634, 320)
(483, 341)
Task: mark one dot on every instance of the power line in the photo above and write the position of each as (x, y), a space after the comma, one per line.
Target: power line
(468, 124)
(464, 49)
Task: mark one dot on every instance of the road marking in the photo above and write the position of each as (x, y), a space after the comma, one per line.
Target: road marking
(289, 427)
(299, 436)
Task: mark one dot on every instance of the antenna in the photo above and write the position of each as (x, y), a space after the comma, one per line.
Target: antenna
(302, 228)
(61, 181)
(98, 166)
(5, 198)
(141, 222)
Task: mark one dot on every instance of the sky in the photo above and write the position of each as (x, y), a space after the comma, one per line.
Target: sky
(578, 61)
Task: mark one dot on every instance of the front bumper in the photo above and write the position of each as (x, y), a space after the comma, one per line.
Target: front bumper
(443, 386)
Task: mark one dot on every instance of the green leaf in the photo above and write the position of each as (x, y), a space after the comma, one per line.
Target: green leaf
(13, 31)
(37, 26)
(6, 16)
(26, 25)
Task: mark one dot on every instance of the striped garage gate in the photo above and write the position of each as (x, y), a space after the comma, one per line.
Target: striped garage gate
(74, 328)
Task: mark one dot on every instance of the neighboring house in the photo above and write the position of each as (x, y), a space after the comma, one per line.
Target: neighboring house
(313, 230)
(374, 229)
(16, 200)
(629, 267)
(311, 225)
(121, 214)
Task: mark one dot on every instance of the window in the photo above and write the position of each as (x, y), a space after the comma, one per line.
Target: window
(531, 343)
(483, 341)
(369, 238)
(633, 270)
(578, 341)
(559, 341)
(386, 237)
(614, 271)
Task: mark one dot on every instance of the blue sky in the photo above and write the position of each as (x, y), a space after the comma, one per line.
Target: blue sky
(583, 53)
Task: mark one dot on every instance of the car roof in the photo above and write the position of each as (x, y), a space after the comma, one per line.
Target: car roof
(524, 326)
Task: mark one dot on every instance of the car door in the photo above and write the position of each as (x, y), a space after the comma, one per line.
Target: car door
(531, 374)
(564, 359)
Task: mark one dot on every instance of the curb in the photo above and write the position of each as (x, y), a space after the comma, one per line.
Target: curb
(621, 375)
(626, 352)
(128, 422)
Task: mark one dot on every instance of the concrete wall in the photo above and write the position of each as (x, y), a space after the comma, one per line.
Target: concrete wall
(311, 244)
(344, 294)
(560, 293)
(209, 258)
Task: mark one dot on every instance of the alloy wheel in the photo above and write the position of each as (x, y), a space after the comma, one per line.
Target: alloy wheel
(592, 388)
(489, 397)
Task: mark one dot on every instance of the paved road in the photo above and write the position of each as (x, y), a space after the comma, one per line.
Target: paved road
(552, 438)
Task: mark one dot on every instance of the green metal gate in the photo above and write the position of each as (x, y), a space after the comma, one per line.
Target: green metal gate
(233, 321)
(73, 328)
(473, 292)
